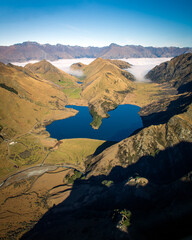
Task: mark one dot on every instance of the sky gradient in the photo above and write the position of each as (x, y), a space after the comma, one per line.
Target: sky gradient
(97, 23)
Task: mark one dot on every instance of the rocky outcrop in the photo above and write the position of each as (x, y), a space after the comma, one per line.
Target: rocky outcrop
(177, 72)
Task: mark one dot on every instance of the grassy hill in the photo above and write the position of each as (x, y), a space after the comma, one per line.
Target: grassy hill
(78, 66)
(27, 103)
(46, 70)
(105, 87)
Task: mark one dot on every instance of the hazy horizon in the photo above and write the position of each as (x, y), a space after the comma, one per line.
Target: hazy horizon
(47, 43)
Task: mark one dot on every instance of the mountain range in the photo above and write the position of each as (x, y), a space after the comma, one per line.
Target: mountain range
(27, 51)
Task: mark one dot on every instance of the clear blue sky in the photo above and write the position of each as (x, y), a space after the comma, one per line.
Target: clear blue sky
(97, 23)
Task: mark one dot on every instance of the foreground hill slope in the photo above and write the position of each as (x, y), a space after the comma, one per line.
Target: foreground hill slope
(177, 72)
(27, 102)
(34, 51)
(26, 83)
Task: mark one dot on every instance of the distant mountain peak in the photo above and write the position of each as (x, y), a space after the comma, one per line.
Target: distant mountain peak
(27, 43)
(114, 45)
(29, 50)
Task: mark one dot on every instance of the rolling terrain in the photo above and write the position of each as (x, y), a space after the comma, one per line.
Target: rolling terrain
(22, 89)
(34, 51)
(105, 85)
(28, 102)
(46, 70)
(139, 188)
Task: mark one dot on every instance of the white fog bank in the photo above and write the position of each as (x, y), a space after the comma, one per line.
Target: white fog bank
(140, 66)
(64, 64)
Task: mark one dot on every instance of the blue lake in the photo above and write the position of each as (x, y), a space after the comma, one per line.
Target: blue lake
(123, 121)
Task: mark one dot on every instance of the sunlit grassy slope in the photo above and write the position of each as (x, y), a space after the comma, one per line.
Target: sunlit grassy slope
(73, 151)
(47, 71)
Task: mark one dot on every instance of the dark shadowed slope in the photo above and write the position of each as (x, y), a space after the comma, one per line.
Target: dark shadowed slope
(94, 208)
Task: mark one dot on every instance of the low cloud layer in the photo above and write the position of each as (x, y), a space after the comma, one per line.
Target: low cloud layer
(22, 64)
(140, 66)
(64, 64)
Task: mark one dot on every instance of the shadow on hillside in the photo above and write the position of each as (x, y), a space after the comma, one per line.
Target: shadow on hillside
(187, 87)
(103, 146)
(175, 107)
(161, 209)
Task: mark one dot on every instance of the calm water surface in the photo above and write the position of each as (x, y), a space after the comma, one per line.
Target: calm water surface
(123, 121)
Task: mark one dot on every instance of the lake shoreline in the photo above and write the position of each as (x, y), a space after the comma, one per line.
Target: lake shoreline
(122, 122)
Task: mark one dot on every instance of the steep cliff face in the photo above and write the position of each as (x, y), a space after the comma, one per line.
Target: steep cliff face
(177, 72)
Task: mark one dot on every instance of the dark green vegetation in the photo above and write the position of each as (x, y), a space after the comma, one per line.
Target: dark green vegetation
(97, 120)
(2, 85)
(70, 179)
